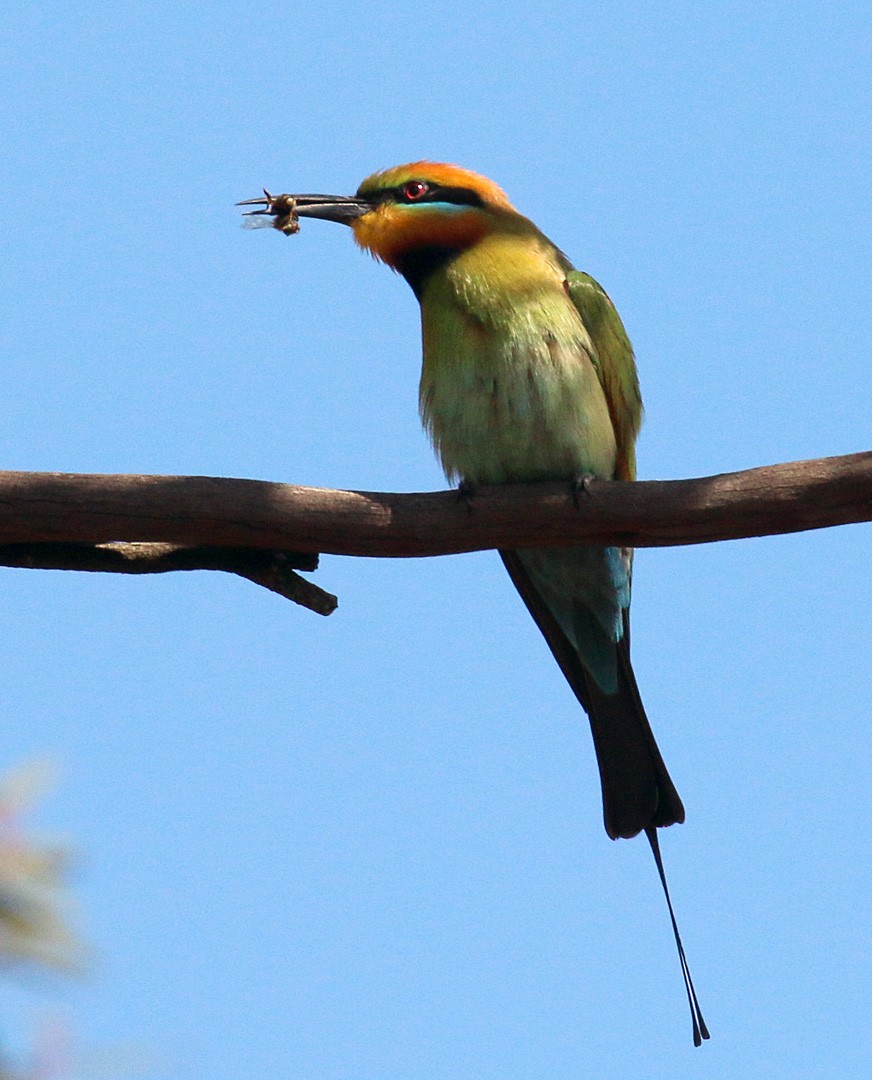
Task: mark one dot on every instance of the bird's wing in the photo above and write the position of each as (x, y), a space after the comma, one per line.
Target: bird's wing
(615, 365)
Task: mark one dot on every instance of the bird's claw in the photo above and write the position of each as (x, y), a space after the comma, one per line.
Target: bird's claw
(466, 493)
(581, 485)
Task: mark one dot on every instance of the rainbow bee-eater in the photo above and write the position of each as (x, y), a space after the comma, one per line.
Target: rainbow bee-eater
(528, 374)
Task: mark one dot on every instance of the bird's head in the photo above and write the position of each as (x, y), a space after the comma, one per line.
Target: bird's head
(425, 205)
(416, 213)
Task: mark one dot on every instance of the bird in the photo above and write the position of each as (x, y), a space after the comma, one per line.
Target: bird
(528, 374)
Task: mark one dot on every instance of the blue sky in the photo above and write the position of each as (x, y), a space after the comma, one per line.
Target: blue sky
(370, 846)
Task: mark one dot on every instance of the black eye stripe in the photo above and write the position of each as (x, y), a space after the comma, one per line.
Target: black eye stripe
(460, 196)
(434, 194)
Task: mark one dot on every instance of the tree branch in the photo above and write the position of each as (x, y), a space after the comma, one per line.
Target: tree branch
(224, 512)
(263, 531)
(274, 570)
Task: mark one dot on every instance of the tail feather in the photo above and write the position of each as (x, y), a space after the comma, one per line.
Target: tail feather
(638, 793)
(637, 790)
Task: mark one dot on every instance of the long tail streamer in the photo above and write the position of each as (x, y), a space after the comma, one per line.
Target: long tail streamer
(700, 1031)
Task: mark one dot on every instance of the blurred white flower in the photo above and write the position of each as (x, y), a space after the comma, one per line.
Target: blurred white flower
(33, 901)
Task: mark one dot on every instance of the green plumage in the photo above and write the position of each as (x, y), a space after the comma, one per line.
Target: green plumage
(528, 375)
(509, 390)
(615, 365)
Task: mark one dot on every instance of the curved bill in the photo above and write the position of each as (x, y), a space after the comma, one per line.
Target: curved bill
(341, 208)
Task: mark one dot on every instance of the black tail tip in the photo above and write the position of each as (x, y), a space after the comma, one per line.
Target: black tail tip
(700, 1033)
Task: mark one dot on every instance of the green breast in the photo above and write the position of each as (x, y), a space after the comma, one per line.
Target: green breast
(508, 389)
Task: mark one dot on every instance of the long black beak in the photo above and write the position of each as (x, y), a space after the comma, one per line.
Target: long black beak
(341, 208)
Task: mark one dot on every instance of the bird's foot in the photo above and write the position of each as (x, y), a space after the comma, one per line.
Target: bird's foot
(581, 486)
(466, 493)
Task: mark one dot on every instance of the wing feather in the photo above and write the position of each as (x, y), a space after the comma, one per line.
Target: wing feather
(615, 365)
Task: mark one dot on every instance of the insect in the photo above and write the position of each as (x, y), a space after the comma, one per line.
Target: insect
(277, 212)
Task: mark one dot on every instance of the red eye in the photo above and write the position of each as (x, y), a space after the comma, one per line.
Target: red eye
(414, 189)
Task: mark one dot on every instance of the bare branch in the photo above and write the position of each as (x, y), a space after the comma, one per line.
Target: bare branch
(273, 570)
(222, 512)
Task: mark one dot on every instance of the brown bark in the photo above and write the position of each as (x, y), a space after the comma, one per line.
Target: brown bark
(263, 530)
